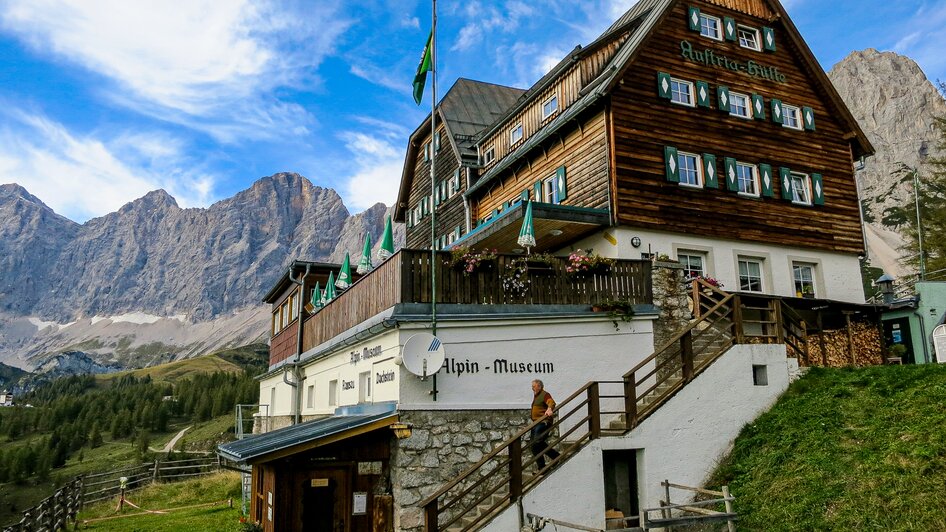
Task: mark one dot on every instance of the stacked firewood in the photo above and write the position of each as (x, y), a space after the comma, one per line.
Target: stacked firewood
(865, 339)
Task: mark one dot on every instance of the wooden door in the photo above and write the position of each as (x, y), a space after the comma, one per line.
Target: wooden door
(325, 501)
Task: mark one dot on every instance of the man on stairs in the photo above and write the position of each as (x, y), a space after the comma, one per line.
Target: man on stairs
(542, 407)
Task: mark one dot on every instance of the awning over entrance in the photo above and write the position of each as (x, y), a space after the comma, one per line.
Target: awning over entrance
(302, 437)
(555, 227)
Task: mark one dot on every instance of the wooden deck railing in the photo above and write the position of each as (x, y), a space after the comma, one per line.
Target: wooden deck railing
(406, 276)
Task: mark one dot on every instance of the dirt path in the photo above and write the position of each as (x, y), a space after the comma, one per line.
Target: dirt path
(170, 446)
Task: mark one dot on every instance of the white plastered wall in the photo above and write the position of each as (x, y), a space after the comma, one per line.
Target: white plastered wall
(837, 275)
(682, 442)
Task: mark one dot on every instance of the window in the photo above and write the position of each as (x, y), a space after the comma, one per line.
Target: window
(791, 116)
(548, 190)
(749, 38)
(689, 169)
(310, 396)
(748, 178)
(550, 107)
(760, 375)
(364, 386)
(801, 189)
(681, 92)
(515, 135)
(489, 155)
(750, 275)
(804, 275)
(276, 327)
(285, 314)
(333, 392)
(710, 27)
(739, 105)
(293, 311)
(693, 264)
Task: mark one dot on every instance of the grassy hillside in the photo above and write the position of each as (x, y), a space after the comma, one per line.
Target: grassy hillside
(850, 449)
(177, 370)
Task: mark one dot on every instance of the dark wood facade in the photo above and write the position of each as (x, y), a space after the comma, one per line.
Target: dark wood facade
(643, 124)
(449, 210)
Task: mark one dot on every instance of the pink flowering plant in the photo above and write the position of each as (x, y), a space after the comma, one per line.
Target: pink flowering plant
(469, 261)
(710, 281)
(580, 263)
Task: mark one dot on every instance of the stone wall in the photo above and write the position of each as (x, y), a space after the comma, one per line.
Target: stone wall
(670, 295)
(442, 445)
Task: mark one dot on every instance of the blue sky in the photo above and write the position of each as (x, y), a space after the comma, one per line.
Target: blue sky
(102, 101)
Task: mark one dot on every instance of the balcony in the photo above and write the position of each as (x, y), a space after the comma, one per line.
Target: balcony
(406, 276)
(555, 226)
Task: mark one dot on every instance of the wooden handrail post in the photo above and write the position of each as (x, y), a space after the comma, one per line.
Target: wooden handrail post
(666, 485)
(686, 350)
(737, 324)
(515, 469)
(804, 339)
(594, 411)
(630, 401)
(729, 523)
(430, 517)
(697, 305)
(779, 322)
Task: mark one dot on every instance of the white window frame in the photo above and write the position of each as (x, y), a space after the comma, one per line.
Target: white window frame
(310, 396)
(548, 190)
(516, 134)
(684, 257)
(756, 35)
(799, 282)
(698, 170)
(489, 155)
(691, 92)
(333, 392)
(550, 107)
(755, 179)
(719, 27)
(732, 105)
(795, 113)
(749, 277)
(806, 181)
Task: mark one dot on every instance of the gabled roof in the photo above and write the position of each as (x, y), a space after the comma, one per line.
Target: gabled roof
(467, 108)
(641, 20)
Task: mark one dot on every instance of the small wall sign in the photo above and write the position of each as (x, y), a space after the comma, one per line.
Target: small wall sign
(359, 503)
(319, 482)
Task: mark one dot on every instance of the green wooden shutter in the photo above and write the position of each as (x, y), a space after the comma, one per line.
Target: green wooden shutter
(663, 85)
(768, 39)
(437, 142)
(524, 196)
(808, 115)
(694, 18)
(426, 152)
(722, 98)
(758, 107)
(457, 233)
(729, 28)
(777, 112)
(817, 189)
(537, 188)
(767, 180)
(785, 175)
(710, 173)
(561, 185)
(732, 178)
(437, 196)
(702, 94)
(671, 164)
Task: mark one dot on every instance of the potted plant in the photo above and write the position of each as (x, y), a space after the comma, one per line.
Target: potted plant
(581, 264)
(540, 264)
(515, 281)
(808, 292)
(617, 309)
(469, 261)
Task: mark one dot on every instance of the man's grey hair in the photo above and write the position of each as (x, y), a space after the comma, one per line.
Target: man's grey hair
(541, 384)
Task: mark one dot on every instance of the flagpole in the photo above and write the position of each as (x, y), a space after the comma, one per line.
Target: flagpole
(433, 179)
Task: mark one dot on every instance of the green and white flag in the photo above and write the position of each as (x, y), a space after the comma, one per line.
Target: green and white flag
(364, 265)
(420, 78)
(344, 275)
(387, 242)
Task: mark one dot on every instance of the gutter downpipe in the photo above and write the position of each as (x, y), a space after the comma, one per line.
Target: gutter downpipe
(296, 409)
(926, 351)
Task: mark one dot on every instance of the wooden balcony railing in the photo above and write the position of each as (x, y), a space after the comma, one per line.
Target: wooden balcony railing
(405, 278)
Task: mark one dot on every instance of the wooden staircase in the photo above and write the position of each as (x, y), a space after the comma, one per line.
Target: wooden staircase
(608, 408)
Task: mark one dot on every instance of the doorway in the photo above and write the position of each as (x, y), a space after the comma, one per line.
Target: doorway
(325, 496)
(620, 483)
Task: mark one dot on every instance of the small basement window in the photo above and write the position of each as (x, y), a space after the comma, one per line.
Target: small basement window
(760, 375)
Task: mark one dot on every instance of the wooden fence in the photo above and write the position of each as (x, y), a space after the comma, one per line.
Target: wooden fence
(54, 512)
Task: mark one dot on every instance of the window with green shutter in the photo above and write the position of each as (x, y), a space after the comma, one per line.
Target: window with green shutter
(671, 165)
(663, 86)
(710, 174)
(524, 196)
(729, 28)
(768, 39)
(732, 177)
(758, 107)
(777, 112)
(808, 114)
(785, 176)
(702, 94)
(722, 98)
(767, 180)
(561, 185)
(693, 18)
(426, 152)
(817, 188)
(537, 191)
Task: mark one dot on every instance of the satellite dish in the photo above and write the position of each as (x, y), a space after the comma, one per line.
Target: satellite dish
(423, 354)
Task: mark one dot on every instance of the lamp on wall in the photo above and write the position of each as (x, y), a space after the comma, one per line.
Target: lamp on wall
(556, 232)
(636, 241)
(401, 430)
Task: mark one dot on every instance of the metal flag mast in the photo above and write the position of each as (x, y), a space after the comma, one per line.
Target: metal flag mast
(433, 178)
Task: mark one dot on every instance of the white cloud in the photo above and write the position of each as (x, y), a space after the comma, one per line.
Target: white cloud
(483, 20)
(924, 38)
(207, 64)
(378, 164)
(82, 177)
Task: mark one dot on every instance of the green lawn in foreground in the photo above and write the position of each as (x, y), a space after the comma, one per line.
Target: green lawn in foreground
(846, 449)
(166, 496)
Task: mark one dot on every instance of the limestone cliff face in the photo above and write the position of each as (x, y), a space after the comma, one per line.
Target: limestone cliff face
(154, 257)
(895, 104)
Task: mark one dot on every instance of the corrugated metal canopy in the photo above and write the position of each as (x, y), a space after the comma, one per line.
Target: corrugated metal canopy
(304, 435)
